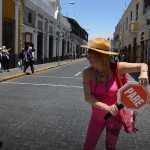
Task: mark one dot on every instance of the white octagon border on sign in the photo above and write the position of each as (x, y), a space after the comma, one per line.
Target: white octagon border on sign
(119, 95)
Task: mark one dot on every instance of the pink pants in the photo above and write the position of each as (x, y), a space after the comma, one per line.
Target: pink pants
(97, 125)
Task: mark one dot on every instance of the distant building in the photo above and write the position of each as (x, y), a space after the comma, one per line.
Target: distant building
(40, 25)
(10, 27)
(78, 36)
(132, 33)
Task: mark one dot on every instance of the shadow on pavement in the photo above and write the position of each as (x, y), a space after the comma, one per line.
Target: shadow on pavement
(1, 144)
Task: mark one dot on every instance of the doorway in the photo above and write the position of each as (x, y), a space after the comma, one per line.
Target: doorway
(40, 48)
(50, 48)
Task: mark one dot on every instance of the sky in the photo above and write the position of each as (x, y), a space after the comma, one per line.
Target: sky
(98, 17)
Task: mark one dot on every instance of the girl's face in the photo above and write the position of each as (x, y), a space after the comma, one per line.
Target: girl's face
(92, 58)
(98, 60)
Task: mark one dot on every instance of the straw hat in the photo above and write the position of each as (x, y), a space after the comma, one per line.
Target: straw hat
(100, 45)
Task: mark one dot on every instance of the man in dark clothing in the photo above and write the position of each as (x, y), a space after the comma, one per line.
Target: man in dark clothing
(29, 60)
(22, 58)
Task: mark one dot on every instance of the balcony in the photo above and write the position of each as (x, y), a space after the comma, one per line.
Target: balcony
(64, 22)
(133, 26)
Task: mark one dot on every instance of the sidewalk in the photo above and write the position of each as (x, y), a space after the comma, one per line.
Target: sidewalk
(17, 72)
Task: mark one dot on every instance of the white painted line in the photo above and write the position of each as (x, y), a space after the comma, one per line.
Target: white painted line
(56, 77)
(78, 73)
(59, 85)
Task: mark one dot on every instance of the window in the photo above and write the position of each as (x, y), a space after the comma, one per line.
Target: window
(127, 23)
(120, 28)
(30, 18)
(8, 34)
(147, 3)
(131, 16)
(123, 27)
(137, 9)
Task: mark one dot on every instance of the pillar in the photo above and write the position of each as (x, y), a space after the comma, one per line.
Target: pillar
(1, 1)
(17, 4)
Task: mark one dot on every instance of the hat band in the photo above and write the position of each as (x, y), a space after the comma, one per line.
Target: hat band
(101, 49)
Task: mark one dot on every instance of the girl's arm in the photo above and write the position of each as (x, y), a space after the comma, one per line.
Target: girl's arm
(125, 67)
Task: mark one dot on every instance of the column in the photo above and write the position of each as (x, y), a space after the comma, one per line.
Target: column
(54, 46)
(55, 39)
(47, 46)
(47, 41)
(35, 42)
(35, 34)
(1, 22)
(43, 39)
(17, 4)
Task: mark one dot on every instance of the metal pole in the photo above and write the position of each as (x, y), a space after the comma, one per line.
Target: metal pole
(58, 35)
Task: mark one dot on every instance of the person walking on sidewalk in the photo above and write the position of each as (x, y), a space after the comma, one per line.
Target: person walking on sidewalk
(5, 58)
(100, 90)
(0, 59)
(22, 58)
(29, 60)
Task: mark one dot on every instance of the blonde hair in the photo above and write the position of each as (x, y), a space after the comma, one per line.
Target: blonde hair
(103, 61)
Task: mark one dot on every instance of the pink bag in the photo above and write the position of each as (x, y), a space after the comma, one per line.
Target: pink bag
(127, 116)
(128, 120)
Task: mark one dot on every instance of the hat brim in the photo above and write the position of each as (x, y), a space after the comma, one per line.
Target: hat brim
(99, 50)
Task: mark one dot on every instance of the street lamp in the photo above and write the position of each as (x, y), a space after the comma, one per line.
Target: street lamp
(57, 16)
(71, 3)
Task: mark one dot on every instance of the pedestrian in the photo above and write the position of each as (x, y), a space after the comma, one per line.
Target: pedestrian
(5, 58)
(29, 60)
(101, 84)
(22, 59)
(0, 59)
(70, 56)
(33, 57)
(75, 55)
(67, 57)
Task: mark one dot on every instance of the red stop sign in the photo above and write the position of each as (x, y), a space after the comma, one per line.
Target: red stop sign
(133, 96)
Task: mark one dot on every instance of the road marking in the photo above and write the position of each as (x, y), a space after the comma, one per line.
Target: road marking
(57, 77)
(59, 85)
(78, 73)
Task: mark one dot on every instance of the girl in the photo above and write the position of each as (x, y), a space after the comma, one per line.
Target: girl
(100, 91)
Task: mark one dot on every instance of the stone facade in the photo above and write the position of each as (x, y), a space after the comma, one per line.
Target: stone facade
(131, 35)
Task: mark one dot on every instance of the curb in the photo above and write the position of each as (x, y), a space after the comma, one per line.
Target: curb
(12, 77)
(38, 70)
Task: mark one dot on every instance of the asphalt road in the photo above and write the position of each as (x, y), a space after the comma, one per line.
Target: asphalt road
(47, 111)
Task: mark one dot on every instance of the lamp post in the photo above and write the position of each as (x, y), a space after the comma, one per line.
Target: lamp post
(57, 16)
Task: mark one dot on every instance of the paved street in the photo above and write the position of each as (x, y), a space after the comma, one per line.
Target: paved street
(47, 111)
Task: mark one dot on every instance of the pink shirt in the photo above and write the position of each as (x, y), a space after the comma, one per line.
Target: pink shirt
(105, 92)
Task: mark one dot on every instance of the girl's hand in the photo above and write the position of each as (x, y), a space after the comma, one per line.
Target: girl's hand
(112, 109)
(143, 79)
